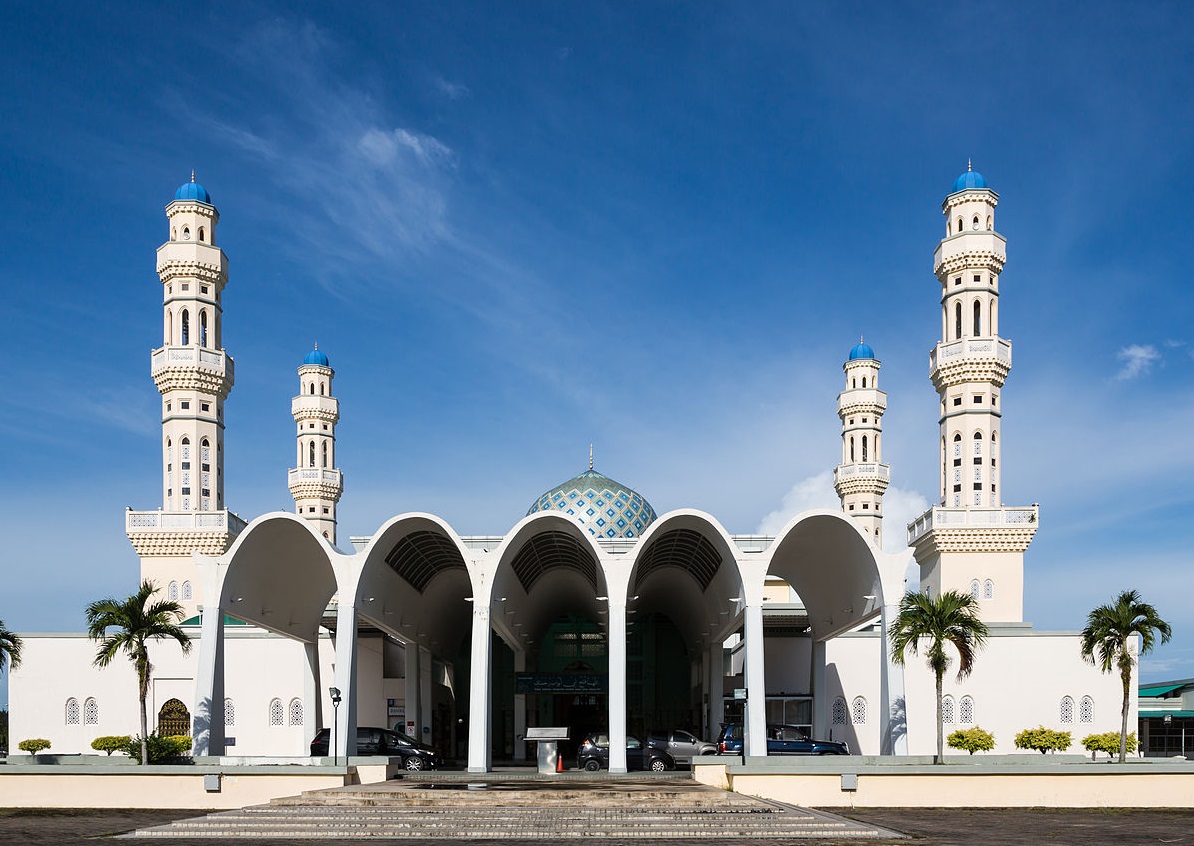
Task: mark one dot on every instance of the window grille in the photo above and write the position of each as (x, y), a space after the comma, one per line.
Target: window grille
(1067, 710)
(947, 710)
(91, 712)
(186, 590)
(72, 712)
(296, 712)
(276, 716)
(839, 711)
(229, 712)
(974, 588)
(966, 711)
(172, 592)
(988, 589)
(1086, 710)
(858, 710)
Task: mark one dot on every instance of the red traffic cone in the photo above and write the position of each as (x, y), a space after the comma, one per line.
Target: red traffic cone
(559, 763)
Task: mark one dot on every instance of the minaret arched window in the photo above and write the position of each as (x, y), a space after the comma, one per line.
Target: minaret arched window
(201, 238)
(321, 388)
(186, 233)
(186, 327)
(311, 451)
(312, 388)
(990, 223)
(864, 381)
(957, 320)
(851, 448)
(978, 318)
(325, 454)
(960, 226)
(974, 223)
(203, 328)
(864, 447)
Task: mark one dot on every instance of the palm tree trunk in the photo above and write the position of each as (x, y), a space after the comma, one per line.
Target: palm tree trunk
(143, 692)
(940, 731)
(1126, 675)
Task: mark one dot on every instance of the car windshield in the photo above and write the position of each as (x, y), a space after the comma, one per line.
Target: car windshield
(403, 738)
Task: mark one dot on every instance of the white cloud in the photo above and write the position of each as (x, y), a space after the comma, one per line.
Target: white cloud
(451, 90)
(383, 149)
(1137, 360)
(900, 507)
(814, 492)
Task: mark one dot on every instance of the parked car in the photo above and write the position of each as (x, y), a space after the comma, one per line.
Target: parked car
(781, 740)
(680, 744)
(379, 741)
(594, 755)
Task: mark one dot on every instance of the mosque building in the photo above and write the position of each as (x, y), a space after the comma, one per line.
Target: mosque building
(592, 611)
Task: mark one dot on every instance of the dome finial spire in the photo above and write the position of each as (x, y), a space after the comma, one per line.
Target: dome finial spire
(192, 174)
(317, 345)
(590, 455)
(968, 165)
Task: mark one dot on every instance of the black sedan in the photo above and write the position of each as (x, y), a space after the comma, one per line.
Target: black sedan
(379, 741)
(594, 755)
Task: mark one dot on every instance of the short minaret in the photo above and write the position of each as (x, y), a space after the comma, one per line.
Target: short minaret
(861, 478)
(315, 483)
(971, 542)
(194, 374)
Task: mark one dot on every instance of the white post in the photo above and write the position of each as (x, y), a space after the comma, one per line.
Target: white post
(312, 695)
(426, 712)
(617, 687)
(346, 679)
(412, 691)
(208, 725)
(755, 734)
(716, 691)
(478, 693)
(893, 716)
(520, 709)
(820, 699)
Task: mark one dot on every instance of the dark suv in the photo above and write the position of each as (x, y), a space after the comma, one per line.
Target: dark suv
(781, 740)
(379, 741)
(594, 755)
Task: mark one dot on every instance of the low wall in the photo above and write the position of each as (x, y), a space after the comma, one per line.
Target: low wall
(1021, 782)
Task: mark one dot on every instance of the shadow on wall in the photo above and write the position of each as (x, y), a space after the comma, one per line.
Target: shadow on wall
(841, 726)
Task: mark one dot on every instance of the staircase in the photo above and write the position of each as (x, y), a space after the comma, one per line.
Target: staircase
(494, 808)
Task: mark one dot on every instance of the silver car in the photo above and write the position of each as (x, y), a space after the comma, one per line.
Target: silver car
(680, 744)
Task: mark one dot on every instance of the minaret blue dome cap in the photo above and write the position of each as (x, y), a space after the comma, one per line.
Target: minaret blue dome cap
(970, 180)
(316, 357)
(861, 350)
(193, 191)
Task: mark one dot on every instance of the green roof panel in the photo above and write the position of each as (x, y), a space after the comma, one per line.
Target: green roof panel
(1159, 690)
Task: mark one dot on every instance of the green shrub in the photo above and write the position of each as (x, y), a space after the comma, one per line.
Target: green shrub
(160, 749)
(1044, 740)
(112, 743)
(1107, 742)
(972, 740)
(33, 745)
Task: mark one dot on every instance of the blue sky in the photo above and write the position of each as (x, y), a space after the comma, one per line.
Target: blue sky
(520, 228)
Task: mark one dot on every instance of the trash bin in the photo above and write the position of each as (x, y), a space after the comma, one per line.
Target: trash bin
(548, 739)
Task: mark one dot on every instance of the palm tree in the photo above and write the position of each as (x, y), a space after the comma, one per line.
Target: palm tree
(135, 621)
(950, 618)
(10, 648)
(1106, 644)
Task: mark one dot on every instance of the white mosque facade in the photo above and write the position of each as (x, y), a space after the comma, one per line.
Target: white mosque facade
(592, 611)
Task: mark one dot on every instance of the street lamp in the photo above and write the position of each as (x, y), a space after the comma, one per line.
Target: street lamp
(334, 692)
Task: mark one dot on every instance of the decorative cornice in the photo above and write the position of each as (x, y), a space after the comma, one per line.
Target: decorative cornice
(968, 259)
(171, 269)
(316, 490)
(190, 378)
(166, 543)
(974, 539)
(311, 413)
(962, 370)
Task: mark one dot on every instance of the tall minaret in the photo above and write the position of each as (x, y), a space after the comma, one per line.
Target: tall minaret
(194, 374)
(315, 483)
(861, 478)
(971, 542)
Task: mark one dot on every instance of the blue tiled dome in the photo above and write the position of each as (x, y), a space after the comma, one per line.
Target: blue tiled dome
(861, 350)
(604, 508)
(193, 191)
(316, 357)
(971, 179)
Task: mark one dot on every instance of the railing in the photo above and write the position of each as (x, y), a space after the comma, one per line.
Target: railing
(995, 348)
(166, 356)
(182, 521)
(939, 517)
(870, 471)
(313, 474)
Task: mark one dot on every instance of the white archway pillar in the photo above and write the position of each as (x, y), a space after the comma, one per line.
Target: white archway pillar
(479, 693)
(346, 679)
(820, 699)
(716, 710)
(413, 716)
(312, 696)
(755, 731)
(520, 709)
(617, 687)
(208, 723)
(893, 710)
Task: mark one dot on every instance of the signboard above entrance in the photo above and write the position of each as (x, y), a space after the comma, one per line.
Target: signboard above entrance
(560, 683)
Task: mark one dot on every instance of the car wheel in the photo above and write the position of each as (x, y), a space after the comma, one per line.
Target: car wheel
(658, 765)
(592, 765)
(413, 763)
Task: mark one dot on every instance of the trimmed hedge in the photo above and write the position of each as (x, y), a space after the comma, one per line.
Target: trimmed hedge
(113, 743)
(1044, 740)
(1107, 742)
(34, 745)
(972, 740)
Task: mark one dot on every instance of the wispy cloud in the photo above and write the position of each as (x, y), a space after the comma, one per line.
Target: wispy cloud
(1136, 360)
(451, 90)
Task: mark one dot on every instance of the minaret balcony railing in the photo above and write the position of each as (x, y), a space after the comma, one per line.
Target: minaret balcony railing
(136, 522)
(322, 406)
(940, 517)
(862, 399)
(985, 349)
(862, 471)
(208, 359)
(318, 475)
(970, 249)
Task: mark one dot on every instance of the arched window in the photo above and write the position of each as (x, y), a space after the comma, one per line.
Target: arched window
(311, 459)
(990, 223)
(186, 591)
(186, 327)
(296, 712)
(312, 391)
(978, 443)
(864, 448)
(72, 712)
(957, 320)
(988, 589)
(974, 223)
(975, 588)
(186, 233)
(851, 447)
(966, 711)
(947, 710)
(864, 381)
(173, 233)
(172, 592)
(1067, 710)
(321, 388)
(203, 328)
(90, 712)
(229, 712)
(839, 711)
(978, 318)
(858, 711)
(1086, 710)
(960, 227)
(276, 714)
(325, 454)
(201, 233)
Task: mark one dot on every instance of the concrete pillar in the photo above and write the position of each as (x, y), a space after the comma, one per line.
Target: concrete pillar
(208, 723)
(412, 690)
(479, 693)
(755, 731)
(617, 687)
(426, 667)
(312, 694)
(716, 691)
(345, 741)
(520, 709)
(893, 714)
(819, 691)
